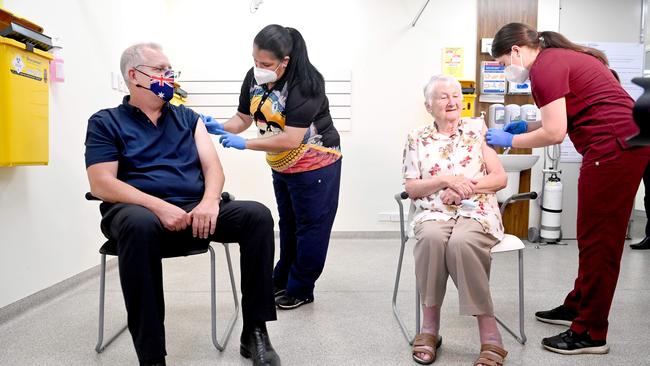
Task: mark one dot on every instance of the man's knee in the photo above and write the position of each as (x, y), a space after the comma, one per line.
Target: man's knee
(259, 216)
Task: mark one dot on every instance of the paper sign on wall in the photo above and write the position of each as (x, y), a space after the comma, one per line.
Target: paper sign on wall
(452, 61)
(493, 78)
(626, 59)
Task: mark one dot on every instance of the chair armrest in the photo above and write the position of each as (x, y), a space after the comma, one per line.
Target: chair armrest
(401, 196)
(518, 197)
(225, 196)
(90, 197)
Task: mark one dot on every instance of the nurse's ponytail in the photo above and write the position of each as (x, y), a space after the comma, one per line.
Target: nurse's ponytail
(284, 42)
(520, 34)
(311, 81)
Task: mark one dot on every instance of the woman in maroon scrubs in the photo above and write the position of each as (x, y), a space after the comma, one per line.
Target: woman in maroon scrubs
(576, 92)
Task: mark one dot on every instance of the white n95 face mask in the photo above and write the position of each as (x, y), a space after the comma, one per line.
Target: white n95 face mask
(265, 76)
(516, 73)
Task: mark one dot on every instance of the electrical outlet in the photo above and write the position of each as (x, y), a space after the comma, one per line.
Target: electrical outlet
(122, 86)
(389, 216)
(114, 81)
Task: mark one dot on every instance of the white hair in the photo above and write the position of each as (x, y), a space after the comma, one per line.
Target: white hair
(132, 57)
(430, 88)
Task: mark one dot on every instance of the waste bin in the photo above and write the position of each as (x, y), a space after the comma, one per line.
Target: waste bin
(24, 104)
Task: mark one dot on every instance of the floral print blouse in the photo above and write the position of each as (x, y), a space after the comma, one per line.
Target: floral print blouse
(429, 153)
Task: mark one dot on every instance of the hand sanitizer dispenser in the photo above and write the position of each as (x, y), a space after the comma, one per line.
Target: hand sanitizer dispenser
(529, 113)
(513, 113)
(496, 116)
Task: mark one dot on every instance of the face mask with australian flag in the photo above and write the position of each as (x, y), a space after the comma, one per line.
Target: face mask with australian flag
(161, 85)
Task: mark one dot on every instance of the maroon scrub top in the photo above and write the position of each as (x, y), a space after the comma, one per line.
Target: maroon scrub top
(599, 110)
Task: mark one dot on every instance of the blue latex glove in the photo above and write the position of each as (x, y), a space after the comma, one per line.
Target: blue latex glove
(516, 127)
(212, 125)
(498, 137)
(228, 139)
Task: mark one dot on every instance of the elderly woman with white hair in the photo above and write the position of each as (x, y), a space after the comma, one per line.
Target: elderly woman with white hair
(451, 175)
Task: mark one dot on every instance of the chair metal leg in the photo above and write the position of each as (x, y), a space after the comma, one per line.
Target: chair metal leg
(404, 239)
(233, 318)
(102, 289)
(521, 337)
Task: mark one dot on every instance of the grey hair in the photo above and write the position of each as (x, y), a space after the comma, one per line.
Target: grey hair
(132, 57)
(430, 88)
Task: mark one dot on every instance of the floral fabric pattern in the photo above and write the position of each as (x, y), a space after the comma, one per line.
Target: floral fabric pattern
(429, 153)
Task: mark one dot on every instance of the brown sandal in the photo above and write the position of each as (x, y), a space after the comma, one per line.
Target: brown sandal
(426, 340)
(491, 355)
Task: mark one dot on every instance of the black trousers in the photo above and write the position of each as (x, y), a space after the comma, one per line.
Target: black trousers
(142, 242)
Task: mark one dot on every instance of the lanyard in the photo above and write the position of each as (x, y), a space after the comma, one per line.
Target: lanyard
(262, 100)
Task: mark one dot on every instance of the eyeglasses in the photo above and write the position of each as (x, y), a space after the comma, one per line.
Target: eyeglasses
(163, 71)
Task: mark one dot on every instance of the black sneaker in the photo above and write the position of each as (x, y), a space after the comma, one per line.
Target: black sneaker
(286, 302)
(561, 315)
(572, 343)
(643, 244)
(278, 291)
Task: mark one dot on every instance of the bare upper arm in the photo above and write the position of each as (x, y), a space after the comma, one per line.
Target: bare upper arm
(102, 170)
(246, 118)
(98, 173)
(207, 152)
(554, 119)
(295, 134)
(491, 159)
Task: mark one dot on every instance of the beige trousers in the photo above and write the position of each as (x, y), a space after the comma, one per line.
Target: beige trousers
(460, 248)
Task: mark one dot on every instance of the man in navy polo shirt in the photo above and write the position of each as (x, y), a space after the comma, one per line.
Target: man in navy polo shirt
(157, 171)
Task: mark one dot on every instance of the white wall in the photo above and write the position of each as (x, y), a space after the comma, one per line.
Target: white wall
(49, 232)
(601, 27)
(548, 19)
(601, 20)
(389, 62)
(568, 17)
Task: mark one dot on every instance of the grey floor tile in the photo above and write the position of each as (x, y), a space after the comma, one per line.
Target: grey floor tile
(350, 323)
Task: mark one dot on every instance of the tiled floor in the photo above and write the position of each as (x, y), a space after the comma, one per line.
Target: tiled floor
(350, 322)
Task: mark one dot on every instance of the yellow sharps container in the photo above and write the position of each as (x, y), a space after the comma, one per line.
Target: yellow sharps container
(24, 104)
(469, 98)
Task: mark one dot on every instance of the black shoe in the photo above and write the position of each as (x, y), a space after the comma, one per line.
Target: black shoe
(572, 343)
(160, 363)
(643, 244)
(286, 302)
(278, 291)
(256, 345)
(561, 315)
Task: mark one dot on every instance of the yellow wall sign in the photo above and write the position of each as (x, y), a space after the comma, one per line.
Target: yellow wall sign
(452, 61)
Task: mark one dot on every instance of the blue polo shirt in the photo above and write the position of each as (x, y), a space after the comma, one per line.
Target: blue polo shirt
(161, 160)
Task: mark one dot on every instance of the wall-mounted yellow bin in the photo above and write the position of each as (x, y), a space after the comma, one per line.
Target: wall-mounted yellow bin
(469, 98)
(24, 104)
(469, 105)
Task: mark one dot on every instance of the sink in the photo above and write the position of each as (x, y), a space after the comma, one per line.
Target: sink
(517, 162)
(513, 164)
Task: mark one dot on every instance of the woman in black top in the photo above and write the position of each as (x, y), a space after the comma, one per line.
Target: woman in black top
(284, 95)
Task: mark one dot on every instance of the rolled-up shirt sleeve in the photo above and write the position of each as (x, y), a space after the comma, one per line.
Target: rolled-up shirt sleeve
(549, 81)
(100, 143)
(411, 161)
